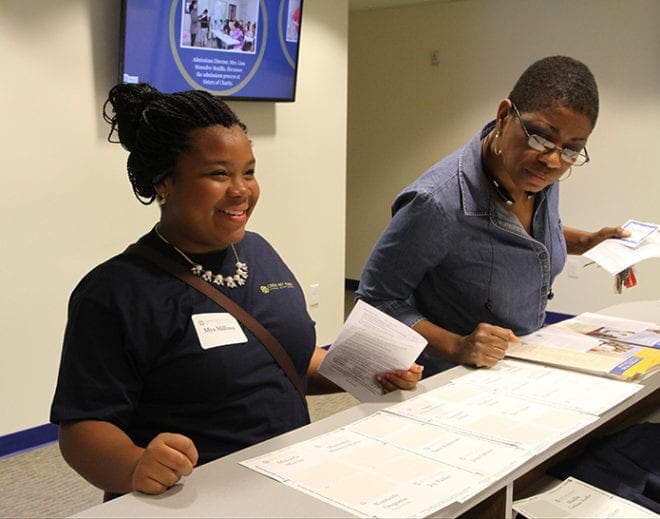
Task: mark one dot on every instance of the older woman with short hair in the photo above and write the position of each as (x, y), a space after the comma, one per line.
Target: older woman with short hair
(475, 243)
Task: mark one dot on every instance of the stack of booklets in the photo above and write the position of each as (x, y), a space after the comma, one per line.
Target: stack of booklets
(595, 343)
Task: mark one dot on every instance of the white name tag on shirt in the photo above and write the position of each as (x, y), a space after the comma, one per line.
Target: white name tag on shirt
(217, 329)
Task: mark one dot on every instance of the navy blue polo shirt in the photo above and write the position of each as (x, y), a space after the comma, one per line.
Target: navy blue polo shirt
(132, 357)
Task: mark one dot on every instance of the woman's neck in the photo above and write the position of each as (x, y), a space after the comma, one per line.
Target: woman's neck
(498, 178)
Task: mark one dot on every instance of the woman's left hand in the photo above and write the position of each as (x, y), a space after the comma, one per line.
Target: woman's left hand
(401, 379)
(579, 242)
(606, 232)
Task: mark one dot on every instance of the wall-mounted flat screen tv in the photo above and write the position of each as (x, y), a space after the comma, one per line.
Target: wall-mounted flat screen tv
(237, 49)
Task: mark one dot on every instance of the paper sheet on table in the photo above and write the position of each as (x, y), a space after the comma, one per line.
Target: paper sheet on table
(573, 498)
(509, 419)
(614, 256)
(419, 456)
(641, 333)
(367, 477)
(553, 386)
(370, 343)
(555, 337)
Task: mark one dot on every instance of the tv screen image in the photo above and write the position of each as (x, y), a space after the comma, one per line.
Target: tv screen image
(238, 49)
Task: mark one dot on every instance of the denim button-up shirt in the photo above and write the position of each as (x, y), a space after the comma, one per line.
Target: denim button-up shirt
(455, 256)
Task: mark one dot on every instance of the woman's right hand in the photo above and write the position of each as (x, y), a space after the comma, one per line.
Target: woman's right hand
(105, 456)
(485, 346)
(165, 460)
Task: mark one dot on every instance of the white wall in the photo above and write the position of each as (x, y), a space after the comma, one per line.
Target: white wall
(67, 202)
(405, 114)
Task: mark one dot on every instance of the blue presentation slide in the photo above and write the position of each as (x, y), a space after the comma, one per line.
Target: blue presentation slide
(239, 50)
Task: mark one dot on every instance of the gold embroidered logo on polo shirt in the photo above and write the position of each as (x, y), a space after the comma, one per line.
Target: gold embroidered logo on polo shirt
(270, 287)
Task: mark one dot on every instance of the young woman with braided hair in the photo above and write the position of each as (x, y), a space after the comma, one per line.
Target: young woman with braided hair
(147, 387)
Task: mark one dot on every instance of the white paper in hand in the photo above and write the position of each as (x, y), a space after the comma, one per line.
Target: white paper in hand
(615, 254)
(370, 343)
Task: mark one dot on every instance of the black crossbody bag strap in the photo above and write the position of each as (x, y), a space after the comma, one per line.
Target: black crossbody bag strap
(265, 337)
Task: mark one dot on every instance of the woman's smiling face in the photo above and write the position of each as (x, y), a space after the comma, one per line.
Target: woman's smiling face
(212, 191)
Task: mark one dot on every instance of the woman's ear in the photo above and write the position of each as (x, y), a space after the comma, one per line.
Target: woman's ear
(161, 185)
(503, 111)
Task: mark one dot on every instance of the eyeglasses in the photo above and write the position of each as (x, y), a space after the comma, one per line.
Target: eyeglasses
(538, 143)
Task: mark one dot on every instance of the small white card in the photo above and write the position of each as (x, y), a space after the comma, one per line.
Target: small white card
(639, 231)
(217, 329)
(574, 498)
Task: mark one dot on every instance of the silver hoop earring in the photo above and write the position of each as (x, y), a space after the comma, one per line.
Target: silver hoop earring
(161, 200)
(566, 175)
